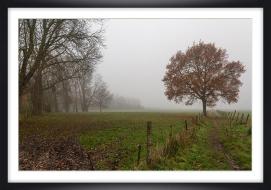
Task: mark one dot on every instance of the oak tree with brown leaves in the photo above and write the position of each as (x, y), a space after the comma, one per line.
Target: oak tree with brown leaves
(203, 73)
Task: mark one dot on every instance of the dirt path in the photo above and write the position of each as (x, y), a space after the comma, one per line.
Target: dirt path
(218, 146)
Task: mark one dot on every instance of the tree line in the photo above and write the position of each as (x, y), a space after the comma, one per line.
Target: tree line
(58, 57)
(57, 61)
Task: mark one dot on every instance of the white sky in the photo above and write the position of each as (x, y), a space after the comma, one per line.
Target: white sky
(138, 51)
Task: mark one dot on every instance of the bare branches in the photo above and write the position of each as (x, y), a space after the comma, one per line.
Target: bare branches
(44, 43)
(56, 51)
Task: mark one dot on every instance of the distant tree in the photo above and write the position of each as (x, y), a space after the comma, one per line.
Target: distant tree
(87, 90)
(203, 73)
(120, 102)
(102, 94)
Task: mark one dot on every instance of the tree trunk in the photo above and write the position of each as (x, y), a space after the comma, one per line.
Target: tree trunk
(204, 107)
(83, 97)
(100, 107)
(55, 98)
(66, 97)
(85, 108)
(76, 107)
(20, 103)
(37, 95)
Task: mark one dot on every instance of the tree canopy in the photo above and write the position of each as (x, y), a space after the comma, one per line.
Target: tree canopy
(203, 73)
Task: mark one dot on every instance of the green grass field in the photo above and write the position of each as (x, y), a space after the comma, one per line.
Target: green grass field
(112, 138)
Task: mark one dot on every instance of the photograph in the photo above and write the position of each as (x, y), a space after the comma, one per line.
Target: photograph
(134, 94)
(123, 95)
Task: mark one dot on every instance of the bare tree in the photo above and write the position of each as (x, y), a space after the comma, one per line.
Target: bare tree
(102, 95)
(203, 73)
(87, 90)
(47, 45)
(120, 102)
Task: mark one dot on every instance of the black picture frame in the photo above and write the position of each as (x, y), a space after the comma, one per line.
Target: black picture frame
(131, 4)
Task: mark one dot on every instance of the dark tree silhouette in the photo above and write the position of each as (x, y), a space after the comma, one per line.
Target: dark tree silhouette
(203, 73)
(53, 51)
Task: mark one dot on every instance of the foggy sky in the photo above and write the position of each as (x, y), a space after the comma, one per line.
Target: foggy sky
(138, 50)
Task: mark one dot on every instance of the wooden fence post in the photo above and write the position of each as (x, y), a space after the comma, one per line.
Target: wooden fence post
(171, 132)
(241, 119)
(247, 118)
(138, 154)
(185, 125)
(233, 114)
(237, 117)
(148, 158)
(229, 117)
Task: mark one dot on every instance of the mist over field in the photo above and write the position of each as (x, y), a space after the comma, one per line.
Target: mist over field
(138, 50)
(94, 94)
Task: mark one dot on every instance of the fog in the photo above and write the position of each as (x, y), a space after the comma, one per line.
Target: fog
(138, 50)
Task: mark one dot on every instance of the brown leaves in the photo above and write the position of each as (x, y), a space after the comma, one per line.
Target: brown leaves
(202, 72)
(37, 153)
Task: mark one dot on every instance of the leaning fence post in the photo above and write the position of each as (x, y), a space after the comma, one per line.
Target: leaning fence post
(247, 118)
(185, 124)
(230, 118)
(171, 133)
(138, 154)
(148, 158)
(230, 115)
(241, 119)
(233, 114)
(237, 117)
